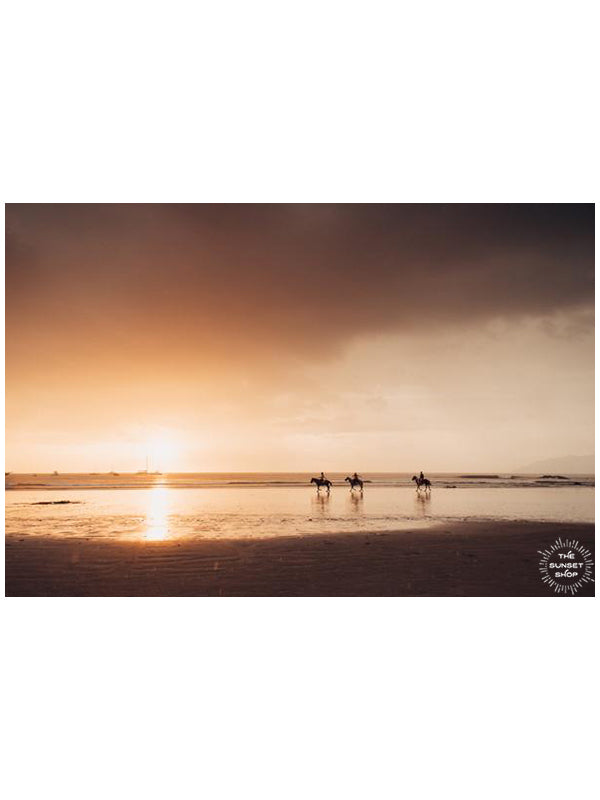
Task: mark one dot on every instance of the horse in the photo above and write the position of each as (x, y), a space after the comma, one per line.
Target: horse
(355, 482)
(425, 482)
(322, 482)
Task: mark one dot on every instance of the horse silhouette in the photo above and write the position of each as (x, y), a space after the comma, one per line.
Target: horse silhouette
(322, 482)
(422, 483)
(355, 482)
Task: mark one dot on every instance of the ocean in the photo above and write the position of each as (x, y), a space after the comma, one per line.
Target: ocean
(255, 505)
(190, 480)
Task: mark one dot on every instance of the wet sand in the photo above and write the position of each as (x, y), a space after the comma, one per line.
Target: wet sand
(464, 559)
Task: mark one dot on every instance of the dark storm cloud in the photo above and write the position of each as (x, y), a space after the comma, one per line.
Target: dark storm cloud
(289, 277)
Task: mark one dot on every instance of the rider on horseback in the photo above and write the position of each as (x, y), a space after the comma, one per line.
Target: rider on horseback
(422, 481)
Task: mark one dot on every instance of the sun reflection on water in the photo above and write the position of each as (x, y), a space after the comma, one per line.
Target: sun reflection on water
(157, 516)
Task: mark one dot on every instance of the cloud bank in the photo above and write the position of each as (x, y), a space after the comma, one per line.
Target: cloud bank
(136, 279)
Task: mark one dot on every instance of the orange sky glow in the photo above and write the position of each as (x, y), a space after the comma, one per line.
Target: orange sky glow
(265, 338)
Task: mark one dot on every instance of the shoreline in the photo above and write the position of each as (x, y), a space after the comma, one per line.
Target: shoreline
(472, 559)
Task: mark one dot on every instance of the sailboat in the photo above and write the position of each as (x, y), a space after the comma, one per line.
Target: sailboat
(143, 471)
(147, 471)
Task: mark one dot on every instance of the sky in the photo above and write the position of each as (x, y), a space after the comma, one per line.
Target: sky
(298, 337)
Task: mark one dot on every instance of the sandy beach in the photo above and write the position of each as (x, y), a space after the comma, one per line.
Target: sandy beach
(462, 559)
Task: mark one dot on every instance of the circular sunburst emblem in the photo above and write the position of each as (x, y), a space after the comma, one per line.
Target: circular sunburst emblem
(566, 566)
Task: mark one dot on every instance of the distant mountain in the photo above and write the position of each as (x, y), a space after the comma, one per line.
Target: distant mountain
(571, 464)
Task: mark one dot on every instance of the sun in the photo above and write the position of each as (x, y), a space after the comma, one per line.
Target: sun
(162, 452)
